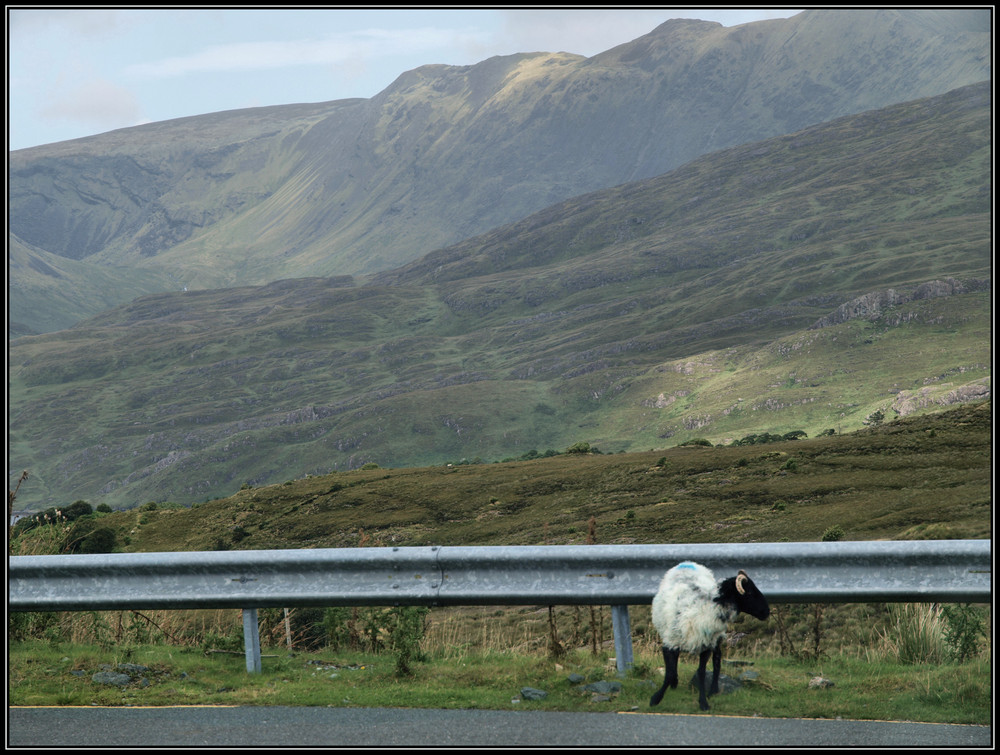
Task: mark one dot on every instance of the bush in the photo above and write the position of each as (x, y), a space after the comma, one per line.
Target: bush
(101, 540)
(25, 625)
(52, 515)
(77, 509)
(834, 533)
(86, 537)
(964, 627)
(406, 630)
(399, 630)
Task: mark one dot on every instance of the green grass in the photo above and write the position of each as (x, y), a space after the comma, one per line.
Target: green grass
(40, 674)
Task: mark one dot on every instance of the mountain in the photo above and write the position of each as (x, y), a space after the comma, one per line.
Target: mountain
(446, 152)
(798, 283)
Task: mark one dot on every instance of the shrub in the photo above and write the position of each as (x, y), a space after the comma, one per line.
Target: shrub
(399, 630)
(836, 532)
(406, 630)
(964, 627)
(101, 540)
(77, 509)
(86, 537)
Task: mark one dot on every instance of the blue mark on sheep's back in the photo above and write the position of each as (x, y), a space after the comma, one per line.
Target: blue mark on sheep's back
(686, 565)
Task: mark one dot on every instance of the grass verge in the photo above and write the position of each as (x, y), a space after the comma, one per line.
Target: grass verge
(45, 673)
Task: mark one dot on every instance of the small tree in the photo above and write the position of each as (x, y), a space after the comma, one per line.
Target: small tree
(874, 419)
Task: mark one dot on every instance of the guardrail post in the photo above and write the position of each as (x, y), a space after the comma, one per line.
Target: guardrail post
(623, 637)
(251, 640)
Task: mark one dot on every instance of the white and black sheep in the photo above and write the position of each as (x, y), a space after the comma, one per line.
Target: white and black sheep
(691, 612)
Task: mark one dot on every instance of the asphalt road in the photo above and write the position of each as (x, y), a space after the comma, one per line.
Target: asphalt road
(336, 727)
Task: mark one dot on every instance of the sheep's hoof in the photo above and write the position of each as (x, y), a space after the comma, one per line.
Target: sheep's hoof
(704, 706)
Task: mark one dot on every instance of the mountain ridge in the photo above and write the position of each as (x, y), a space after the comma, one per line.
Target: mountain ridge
(359, 186)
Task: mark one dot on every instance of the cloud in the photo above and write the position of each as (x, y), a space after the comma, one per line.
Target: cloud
(341, 49)
(90, 23)
(98, 103)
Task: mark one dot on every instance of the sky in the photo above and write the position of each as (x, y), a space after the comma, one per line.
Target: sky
(78, 72)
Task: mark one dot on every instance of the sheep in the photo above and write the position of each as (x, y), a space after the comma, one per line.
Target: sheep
(691, 612)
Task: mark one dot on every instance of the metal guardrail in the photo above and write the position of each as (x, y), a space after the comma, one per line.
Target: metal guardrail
(616, 575)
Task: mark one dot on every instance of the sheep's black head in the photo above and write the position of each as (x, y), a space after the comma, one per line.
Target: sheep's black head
(742, 591)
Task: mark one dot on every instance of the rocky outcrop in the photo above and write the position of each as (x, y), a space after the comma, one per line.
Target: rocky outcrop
(873, 304)
(907, 402)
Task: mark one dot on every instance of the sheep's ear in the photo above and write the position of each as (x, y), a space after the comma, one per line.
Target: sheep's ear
(741, 579)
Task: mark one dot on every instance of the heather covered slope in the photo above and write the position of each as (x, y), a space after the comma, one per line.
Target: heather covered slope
(799, 283)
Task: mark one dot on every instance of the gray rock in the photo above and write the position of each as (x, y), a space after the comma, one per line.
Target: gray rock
(530, 693)
(111, 677)
(603, 688)
(576, 678)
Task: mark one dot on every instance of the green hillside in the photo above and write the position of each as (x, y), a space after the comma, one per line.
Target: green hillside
(796, 284)
(913, 478)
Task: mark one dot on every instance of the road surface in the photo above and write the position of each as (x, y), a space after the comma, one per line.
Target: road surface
(333, 727)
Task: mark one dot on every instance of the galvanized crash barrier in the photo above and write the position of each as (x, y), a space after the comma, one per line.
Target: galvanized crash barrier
(615, 575)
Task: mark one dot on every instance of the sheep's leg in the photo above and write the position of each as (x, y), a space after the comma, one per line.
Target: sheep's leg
(716, 663)
(669, 674)
(702, 663)
(670, 656)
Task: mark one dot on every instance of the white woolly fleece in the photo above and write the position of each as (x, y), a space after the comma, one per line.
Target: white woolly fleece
(684, 611)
